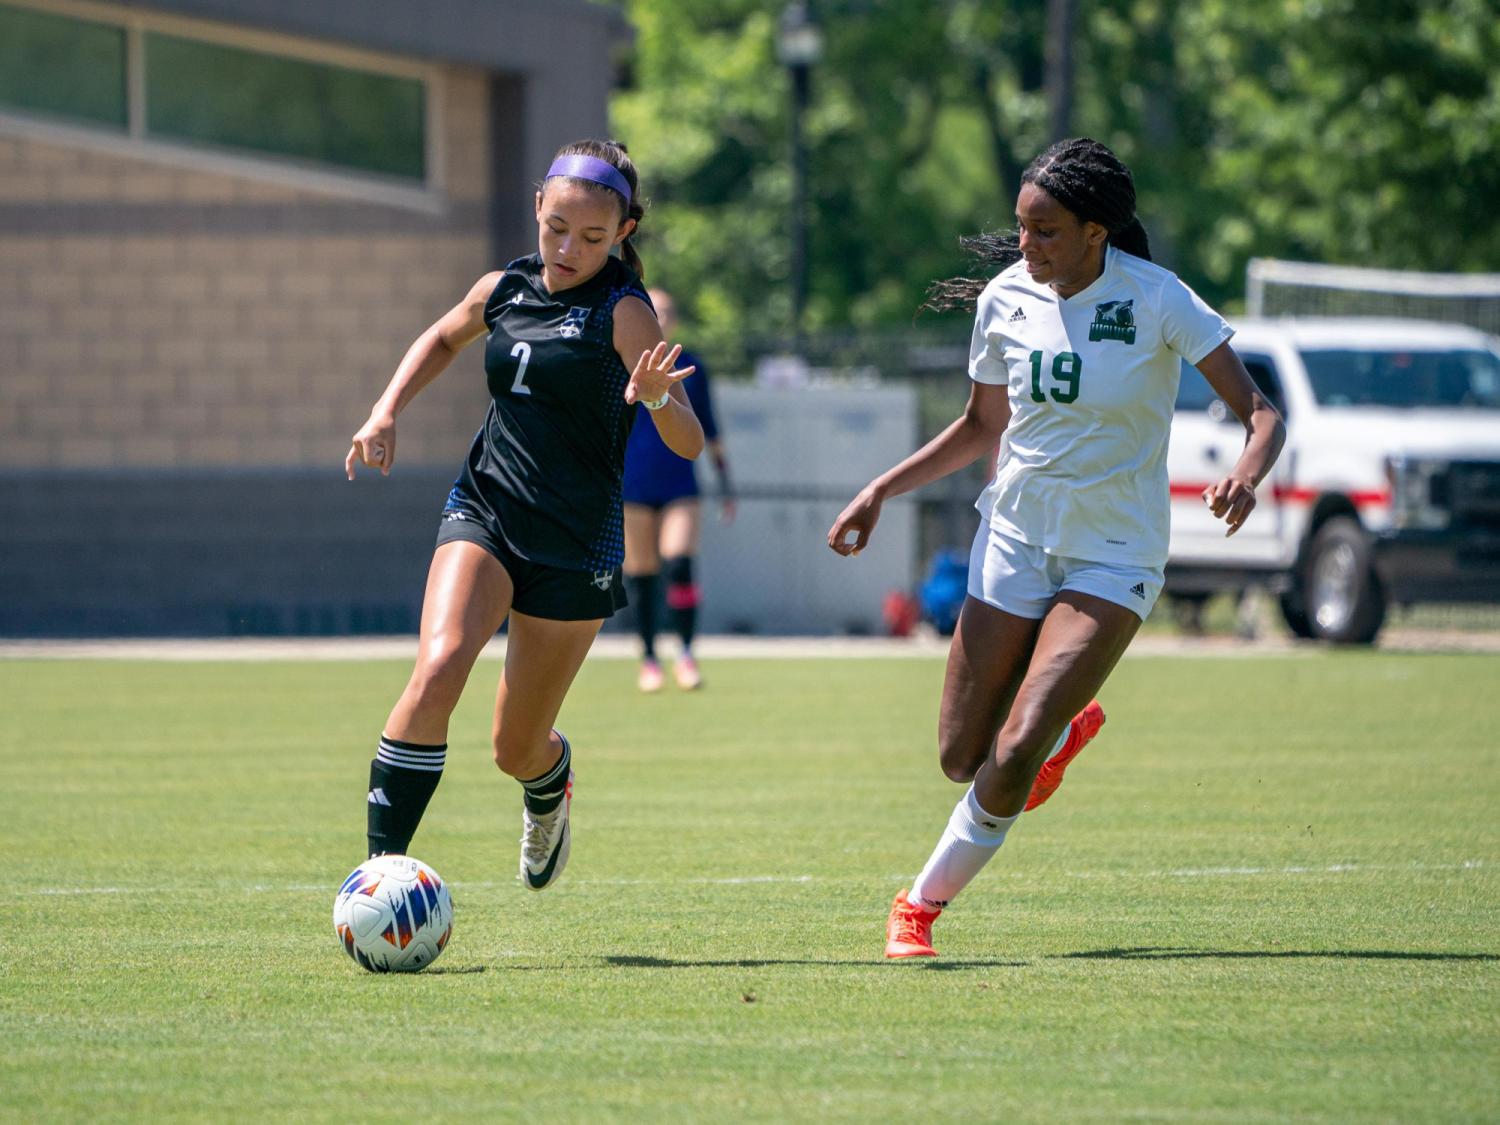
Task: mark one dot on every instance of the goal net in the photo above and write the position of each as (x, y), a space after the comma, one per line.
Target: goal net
(1278, 288)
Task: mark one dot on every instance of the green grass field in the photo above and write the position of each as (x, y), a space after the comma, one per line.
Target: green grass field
(1269, 892)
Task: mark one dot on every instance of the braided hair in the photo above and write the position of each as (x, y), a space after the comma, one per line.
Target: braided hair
(1086, 178)
(615, 153)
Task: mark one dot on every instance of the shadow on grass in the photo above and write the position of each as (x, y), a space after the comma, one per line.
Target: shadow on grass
(457, 969)
(1161, 953)
(626, 961)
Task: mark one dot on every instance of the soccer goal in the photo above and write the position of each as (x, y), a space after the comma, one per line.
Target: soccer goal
(1279, 288)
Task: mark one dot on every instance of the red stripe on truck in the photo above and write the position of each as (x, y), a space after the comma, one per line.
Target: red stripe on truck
(1291, 494)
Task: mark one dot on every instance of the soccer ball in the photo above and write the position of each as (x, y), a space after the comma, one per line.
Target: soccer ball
(393, 914)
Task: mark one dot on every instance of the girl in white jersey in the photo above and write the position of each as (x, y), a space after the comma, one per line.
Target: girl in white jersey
(1077, 348)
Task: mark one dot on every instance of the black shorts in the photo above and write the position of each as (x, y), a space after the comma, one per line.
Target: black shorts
(548, 592)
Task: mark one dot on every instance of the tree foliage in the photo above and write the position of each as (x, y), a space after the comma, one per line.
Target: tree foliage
(1354, 131)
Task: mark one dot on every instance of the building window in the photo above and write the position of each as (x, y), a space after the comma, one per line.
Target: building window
(229, 97)
(60, 67)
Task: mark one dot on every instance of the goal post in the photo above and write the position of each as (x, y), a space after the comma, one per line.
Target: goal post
(1274, 287)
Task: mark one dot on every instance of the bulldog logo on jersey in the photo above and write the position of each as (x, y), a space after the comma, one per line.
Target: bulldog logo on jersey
(572, 325)
(1114, 320)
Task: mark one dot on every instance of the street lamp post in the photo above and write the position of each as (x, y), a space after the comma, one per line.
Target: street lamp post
(799, 45)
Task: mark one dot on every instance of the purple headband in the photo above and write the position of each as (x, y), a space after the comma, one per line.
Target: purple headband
(591, 168)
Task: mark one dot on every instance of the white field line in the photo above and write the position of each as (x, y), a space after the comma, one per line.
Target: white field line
(619, 647)
(1171, 873)
(611, 647)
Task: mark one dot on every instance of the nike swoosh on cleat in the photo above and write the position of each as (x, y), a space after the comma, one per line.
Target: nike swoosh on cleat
(539, 881)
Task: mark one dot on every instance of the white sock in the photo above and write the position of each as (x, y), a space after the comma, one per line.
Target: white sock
(1062, 740)
(972, 837)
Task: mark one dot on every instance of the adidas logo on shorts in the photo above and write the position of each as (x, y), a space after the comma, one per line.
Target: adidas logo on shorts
(1139, 590)
(1019, 314)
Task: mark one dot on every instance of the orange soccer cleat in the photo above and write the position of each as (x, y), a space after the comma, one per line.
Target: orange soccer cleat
(1081, 732)
(908, 931)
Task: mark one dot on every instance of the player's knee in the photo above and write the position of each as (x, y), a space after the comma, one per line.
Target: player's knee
(682, 590)
(440, 673)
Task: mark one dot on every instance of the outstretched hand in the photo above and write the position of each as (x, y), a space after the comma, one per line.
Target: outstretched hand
(1231, 500)
(859, 519)
(654, 375)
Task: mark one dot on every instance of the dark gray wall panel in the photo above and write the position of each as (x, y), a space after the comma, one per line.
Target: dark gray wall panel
(215, 553)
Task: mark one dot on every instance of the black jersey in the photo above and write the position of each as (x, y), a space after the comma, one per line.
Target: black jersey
(549, 458)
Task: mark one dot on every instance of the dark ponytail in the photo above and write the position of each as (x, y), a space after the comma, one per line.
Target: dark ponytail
(1132, 240)
(1086, 178)
(615, 153)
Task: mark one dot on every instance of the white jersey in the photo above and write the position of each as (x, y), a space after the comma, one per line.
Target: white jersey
(1082, 469)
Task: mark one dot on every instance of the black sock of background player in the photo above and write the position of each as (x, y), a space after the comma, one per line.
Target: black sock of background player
(645, 593)
(543, 794)
(403, 777)
(682, 598)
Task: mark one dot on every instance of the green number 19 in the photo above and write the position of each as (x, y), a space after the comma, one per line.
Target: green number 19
(1066, 369)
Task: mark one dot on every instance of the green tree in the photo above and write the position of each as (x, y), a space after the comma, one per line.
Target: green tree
(1357, 131)
(1365, 132)
(923, 114)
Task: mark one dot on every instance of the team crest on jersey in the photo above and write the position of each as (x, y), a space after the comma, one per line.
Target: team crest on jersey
(572, 325)
(1114, 320)
(602, 578)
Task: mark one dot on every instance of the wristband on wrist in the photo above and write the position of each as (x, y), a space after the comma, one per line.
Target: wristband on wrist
(659, 403)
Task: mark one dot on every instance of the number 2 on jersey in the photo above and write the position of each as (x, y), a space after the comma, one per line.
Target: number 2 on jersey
(1066, 369)
(522, 349)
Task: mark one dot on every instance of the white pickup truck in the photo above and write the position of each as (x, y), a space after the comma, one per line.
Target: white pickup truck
(1388, 490)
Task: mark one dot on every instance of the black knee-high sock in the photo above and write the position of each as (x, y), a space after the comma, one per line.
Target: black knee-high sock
(544, 793)
(682, 597)
(645, 593)
(403, 777)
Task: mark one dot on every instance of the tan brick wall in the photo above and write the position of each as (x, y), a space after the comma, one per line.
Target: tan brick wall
(228, 342)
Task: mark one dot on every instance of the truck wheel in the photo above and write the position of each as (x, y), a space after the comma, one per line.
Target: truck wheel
(1342, 596)
(1294, 613)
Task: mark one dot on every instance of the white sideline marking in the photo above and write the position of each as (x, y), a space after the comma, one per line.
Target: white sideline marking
(610, 647)
(1176, 873)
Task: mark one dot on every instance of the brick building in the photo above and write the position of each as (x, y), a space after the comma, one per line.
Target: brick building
(221, 224)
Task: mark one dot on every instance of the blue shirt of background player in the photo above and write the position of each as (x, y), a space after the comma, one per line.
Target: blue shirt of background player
(654, 475)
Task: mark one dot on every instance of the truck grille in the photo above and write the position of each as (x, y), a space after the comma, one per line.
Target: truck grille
(1473, 493)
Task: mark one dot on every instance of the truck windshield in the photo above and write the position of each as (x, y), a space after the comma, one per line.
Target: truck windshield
(1464, 379)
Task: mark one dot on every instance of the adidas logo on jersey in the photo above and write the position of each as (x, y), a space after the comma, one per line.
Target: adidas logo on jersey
(378, 797)
(1019, 314)
(1139, 590)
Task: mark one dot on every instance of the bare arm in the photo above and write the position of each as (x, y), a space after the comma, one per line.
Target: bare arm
(720, 457)
(637, 334)
(974, 434)
(1233, 498)
(428, 357)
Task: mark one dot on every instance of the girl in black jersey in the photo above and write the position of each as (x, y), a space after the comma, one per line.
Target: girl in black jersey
(533, 526)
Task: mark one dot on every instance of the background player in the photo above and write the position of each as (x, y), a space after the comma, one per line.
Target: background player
(1075, 360)
(662, 521)
(532, 527)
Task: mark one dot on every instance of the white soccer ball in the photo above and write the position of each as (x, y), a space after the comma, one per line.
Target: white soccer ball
(393, 914)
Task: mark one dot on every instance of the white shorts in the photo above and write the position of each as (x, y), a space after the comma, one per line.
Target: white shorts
(1022, 580)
